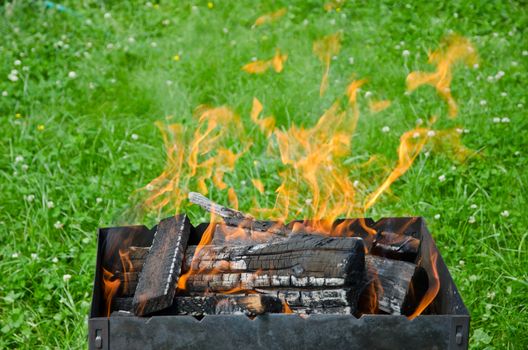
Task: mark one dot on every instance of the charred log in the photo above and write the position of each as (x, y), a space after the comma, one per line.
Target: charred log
(157, 282)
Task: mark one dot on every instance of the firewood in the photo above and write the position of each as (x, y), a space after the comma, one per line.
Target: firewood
(395, 246)
(236, 218)
(158, 279)
(251, 304)
(391, 279)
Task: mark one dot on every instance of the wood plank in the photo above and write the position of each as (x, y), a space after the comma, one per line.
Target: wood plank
(159, 277)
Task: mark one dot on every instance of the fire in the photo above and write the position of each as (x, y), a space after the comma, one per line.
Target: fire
(378, 106)
(286, 308)
(127, 266)
(325, 48)
(454, 49)
(261, 66)
(110, 287)
(267, 124)
(432, 291)
(270, 17)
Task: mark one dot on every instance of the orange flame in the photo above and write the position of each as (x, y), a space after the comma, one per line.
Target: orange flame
(286, 308)
(261, 66)
(455, 48)
(110, 288)
(127, 266)
(270, 17)
(432, 291)
(411, 143)
(266, 125)
(378, 106)
(325, 48)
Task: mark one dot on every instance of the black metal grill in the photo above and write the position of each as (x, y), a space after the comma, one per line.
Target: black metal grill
(443, 325)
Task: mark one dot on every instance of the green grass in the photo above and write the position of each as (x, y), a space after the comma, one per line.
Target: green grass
(87, 163)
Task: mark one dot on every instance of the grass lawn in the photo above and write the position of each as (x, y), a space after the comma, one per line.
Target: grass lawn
(79, 136)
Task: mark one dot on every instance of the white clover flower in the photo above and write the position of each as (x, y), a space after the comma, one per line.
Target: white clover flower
(466, 131)
(98, 200)
(148, 4)
(473, 206)
(525, 53)
(431, 133)
(19, 159)
(30, 197)
(385, 129)
(334, 58)
(520, 105)
(110, 46)
(107, 15)
(473, 278)
(416, 135)
(91, 85)
(34, 256)
(243, 182)
(169, 82)
(505, 213)
(504, 94)
(55, 260)
(419, 121)
(483, 102)
(461, 262)
(17, 62)
(4, 93)
(165, 22)
(509, 289)
(499, 75)
(459, 130)
(113, 81)
(25, 167)
(368, 94)
(437, 216)
(496, 120)
(495, 34)
(505, 120)
(153, 44)
(134, 136)
(406, 53)
(58, 225)
(12, 77)
(351, 60)
(442, 178)
(66, 277)
(355, 183)
(515, 63)
(50, 204)
(305, 22)
(332, 21)
(131, 39)
(476, 66)
(472, 219)
(14, 255)
(72, 75)
(149, 187)
(517, 153)
(308, 201)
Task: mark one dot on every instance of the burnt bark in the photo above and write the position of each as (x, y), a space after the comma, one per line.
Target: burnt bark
(159, 276)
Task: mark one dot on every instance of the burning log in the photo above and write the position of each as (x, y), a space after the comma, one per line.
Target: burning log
(236, 218)
(395, 246)
(391, 279)
(300, 261)
(157, 282)
(252, 304)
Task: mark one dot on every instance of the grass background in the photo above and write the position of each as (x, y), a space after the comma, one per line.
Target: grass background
(72, 142)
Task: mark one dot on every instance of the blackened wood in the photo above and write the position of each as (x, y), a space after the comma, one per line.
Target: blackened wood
(251, 304)
(158, 279)
(236, 218)
(391, 279)
(395, 246)
(301, 260)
